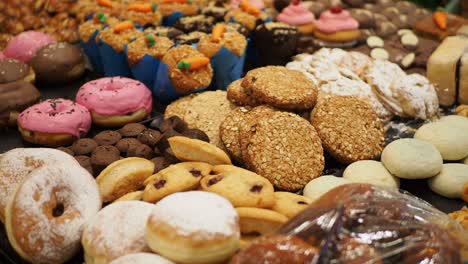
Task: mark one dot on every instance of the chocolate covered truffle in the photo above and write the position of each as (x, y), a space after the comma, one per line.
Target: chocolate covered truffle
(12, 70)
(125, 143)
(149, 137)
(140, 150)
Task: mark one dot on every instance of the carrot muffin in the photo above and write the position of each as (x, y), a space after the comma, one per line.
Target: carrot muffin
(143, 14)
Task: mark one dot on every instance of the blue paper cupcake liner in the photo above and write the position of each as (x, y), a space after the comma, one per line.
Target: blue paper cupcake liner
(227, 68)
(170, 20)
(114, 63)
(91, 50)
(146, 69)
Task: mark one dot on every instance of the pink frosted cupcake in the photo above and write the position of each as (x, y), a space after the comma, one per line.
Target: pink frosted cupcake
(24, 46)
(336, 26)
(296, 14)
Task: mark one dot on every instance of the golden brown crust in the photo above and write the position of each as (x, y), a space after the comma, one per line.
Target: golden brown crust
(167, 9)
(179, 107)
(186, 80)
(46, 139)
(231, 40)
(118, 120)
(229, 132)
(118, 40)
(142, 18)
(247, 20)
(340, 36)
(139, 48)
(349, 128)
(461, 216)
(237, 95)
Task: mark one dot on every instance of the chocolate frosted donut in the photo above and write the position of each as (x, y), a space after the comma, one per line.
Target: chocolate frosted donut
(58, 63)
(14, 98)
(12, 70)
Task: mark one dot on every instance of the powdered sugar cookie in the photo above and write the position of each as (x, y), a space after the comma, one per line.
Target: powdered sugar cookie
(371, 172)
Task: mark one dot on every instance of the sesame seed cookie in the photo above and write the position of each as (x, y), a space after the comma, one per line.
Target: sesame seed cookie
(237, 95)
(281, 87)
(229, 132)
(349, 128)
(179, 107)
(284, 148)
(206, 111)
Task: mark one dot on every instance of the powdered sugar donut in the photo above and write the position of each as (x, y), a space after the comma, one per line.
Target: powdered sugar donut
(194, 227)
(116, 101)
(24, 46)
(54, 122)
(117, 230)
(17, 164)
(45, 216)
(142, 258)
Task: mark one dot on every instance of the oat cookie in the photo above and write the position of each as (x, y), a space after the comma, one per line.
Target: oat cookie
(259, 221)
(290, 204)
(241, 187)
(284, 148)
(237, 95)
(229, 132)
(187, 149)
(281, 87)
(179, 177)
(349, 128)
(179, 107)
(206, 112)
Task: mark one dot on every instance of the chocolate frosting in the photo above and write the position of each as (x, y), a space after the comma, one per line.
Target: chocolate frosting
(195, 23)
(277, 43)
(12, 70)
(168, 32)
(16, 96)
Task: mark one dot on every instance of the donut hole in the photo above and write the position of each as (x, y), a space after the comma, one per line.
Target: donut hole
(58, 210)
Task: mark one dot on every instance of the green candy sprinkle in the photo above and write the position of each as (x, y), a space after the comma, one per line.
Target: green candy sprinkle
(190, 1)
(150, 40)
(154, 7)
(183, 65)
(102, 17)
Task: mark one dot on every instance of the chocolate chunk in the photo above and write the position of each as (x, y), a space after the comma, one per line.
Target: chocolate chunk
(132, 130)
(163, 144)
(107, 137)
(173, 122)
(196, 134)
(160, 163)
(149, 137)
(124, 144)
(67, 150)
(214, 180)
(302, 202)
(170, 157)
(256, 188)
(159, 184)
(102, 156)
(85, 162)
(195, 173)
(84, 146)
(140, 150)
(156, 122)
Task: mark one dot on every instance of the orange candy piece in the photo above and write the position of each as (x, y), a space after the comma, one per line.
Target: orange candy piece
(440, 19)
(106, 3)
(123, 26)
(193, 63)
(143, 8)
(217, 32)
(249, 8)
(176, 1)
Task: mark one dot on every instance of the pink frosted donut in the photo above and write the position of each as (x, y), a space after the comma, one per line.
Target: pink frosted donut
(2, 56)
(116, 101)
(24, 46)
(54, 122)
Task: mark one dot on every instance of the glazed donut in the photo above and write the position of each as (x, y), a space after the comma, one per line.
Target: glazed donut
(14, 98)
(116, 231)
(16, 164)
(12, 70)
(45, 216)
(24, 46)
(194, 227)
(142, 258)
(54, 122)
(116, 101)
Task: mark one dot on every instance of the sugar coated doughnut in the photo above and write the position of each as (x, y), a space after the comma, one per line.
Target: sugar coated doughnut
(449, 138)
(321, 185)
(371, 172)
(450, 181)
(54, 122)
(116, 101)
(142, 258)
(117, 230)
(17, 164)
(45, 217)
(194, 227)
(24, 46)
(410, 158)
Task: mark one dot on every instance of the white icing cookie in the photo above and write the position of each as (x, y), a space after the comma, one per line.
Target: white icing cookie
(449, 182)
(372, 172)
(321, 185)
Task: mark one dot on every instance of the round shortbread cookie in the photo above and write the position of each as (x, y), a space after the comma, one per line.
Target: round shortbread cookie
(229, 132)
(450, 181)
(349, 128)
(281, 87)
(410, 158)
(237, 95)
(321, 185)
(465, 161)
(285, 149)
(451, 140)
(372, 172)
(456, 120)
(178, 107)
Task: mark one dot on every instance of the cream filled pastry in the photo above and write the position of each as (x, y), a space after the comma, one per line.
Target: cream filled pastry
(116, 101)
(296, 14)
(337, 26)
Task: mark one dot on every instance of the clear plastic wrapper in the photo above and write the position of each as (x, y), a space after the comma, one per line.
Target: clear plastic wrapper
(358, 223)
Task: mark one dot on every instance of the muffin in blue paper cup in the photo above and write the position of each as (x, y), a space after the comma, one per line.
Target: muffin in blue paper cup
(247, 15)
(88, 32)
(84, 10)
(226, 50)
(142, 14)
(183, 70)
(144, 56)
(112, 42)
(175, 9)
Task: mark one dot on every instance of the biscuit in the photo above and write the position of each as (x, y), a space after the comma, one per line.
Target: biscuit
(284, 148)
(259, 221)
(179, 177)
(206, 111)
(410, 158)
(179, 107)
(321, 185)
(349, 128)
(371, 172)
(187, 149)
(237, 95)
(450, 181)
(133, 196)
(290, 204)
(241, 187)
(281, 87)
(229, 132)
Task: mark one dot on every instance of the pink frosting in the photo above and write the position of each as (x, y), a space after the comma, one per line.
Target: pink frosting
(115, 96)
(257, 3)
(24, 46)
(56, 116)
(330, 22)
(2, 56)
(296, 14)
